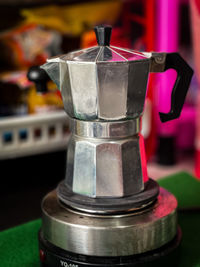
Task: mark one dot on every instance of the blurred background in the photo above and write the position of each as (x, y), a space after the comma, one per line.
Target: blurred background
(34, 128)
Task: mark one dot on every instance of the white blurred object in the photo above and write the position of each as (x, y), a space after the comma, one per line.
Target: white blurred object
(146, 119)
(33, 134)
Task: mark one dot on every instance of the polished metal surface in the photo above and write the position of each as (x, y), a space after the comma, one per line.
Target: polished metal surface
(107, 91)
(106, 83)
(112, 235)
(105, 54)
(84, 90)
(158, 62)
(109, 205)
(104, 90)
(104, 167)
(105, 129)
(112, 90)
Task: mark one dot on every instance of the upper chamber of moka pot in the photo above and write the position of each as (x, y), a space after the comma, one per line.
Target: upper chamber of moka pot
(102, 82)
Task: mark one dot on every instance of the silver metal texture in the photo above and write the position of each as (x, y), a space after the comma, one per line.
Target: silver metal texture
(110, 235)
(158, 62)
(104, 167)
(105, 129)
(106, 83)
(104, 88)
(109, 205)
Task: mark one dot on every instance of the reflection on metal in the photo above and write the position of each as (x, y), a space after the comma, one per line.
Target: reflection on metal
(108, 205)
(112, 90)
(113, 235)
(106, 83)
(104, 90)
(104, 167)
(158, 62)
(105, 129)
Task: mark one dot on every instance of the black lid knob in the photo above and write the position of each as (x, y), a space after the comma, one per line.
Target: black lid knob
(103, 34)
(39, 77)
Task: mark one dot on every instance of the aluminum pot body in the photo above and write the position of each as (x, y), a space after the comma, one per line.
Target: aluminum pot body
(101, 90)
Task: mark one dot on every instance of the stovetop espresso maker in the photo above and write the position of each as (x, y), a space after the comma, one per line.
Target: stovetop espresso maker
(107, 211)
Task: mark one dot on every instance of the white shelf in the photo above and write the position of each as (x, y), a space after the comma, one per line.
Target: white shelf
(33, 134)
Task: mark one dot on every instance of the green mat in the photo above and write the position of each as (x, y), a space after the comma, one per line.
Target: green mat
(184, 187)
(187, 191)
(19, 248)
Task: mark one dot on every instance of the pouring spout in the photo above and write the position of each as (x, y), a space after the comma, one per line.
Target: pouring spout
(52, 68)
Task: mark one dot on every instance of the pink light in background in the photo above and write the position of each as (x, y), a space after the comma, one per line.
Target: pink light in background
(143, 158)
(167, 41)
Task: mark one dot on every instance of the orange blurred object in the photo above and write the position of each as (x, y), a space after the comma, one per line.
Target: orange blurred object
(27, 45)
(118, 38)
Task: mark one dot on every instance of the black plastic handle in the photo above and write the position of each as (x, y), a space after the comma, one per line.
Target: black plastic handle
(103, 34)
(39, 77)
(181, 86)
